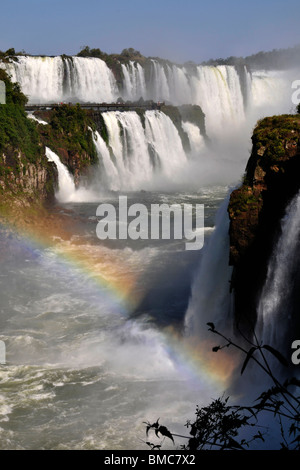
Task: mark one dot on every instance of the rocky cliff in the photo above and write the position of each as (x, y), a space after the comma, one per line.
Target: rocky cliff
(26, 181)
(257, 207)
(26, 176)
(69, 135)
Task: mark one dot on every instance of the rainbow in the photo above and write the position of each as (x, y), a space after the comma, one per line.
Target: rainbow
(116, 284)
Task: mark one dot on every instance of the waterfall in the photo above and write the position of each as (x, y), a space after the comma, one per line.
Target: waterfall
(134, 82)
(160, 89)
(196, 140)
(275, 311)
(66, 186)
(92, 80)
(129, 148)
(164, 139)
(67, 191)
(211, 299)
(111, 179)
(136, 154)
(35, 118)
(227, 97)
(217, 90)
(55, 79)
(270, 92)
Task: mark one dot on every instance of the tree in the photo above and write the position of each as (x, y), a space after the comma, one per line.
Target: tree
(10, 52)
(219, 425)
(129, 53)
(87, 52)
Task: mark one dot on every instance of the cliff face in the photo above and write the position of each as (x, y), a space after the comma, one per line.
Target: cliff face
(26, 176)
(257, 207)
(69, 136)
(24, 180)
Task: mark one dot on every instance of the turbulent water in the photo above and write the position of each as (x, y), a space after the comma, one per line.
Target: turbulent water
(86, 365)
(101, 336)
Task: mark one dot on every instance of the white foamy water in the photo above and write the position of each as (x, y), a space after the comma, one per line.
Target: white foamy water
(197, 141)
(210, 299)
(67, 191)
(274, 307)
(40, 121)
(54, 79)
(135, 155)
(85, 368)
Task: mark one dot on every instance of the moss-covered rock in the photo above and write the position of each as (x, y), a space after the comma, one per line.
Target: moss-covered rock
(69, 135)
(257, 207)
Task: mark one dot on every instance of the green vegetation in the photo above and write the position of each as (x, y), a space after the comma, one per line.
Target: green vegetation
(273, 135)
(113, 61)
(22, 144)
(87, 52)
(16, 130)
(127, 54)
(243, 200)
(10, 53)
(131, 53)
(68, 134)
(23, 164)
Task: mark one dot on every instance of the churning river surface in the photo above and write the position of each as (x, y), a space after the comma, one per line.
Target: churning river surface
(93, 333)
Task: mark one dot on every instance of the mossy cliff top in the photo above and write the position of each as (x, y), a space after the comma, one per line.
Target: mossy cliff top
(257, 207)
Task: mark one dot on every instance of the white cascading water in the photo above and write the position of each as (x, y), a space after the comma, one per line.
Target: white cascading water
(270, 93)
(91, 80)
(137, 153)
(40, 121)
(66, 185)
(196, 140)
(164, 139)
(211, 299)
(53, 79)
(129, 148)
(134, 82)
(217, 90)
(67, 191)
(111, 179)
(273, 309)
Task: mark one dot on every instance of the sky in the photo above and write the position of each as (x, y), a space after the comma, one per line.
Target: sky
(178, 30)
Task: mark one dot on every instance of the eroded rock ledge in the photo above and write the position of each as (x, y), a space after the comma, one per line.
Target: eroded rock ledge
(255, 210)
